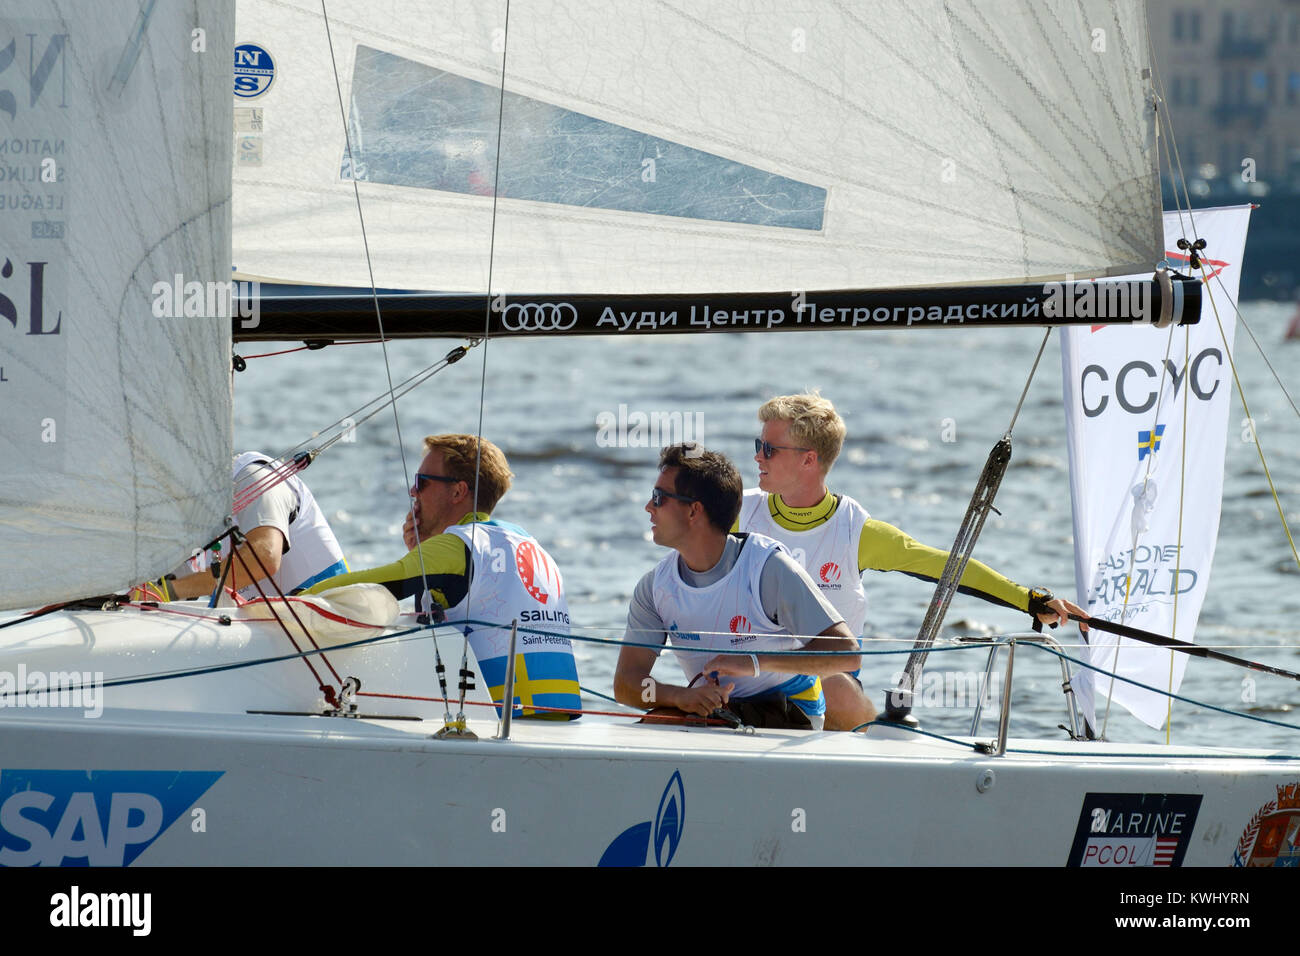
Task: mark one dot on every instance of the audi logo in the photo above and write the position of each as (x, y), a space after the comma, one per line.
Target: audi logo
(539, 317)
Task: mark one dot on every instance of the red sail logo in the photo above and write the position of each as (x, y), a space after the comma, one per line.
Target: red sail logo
(739, 624)
(539, 575)
(830, 572)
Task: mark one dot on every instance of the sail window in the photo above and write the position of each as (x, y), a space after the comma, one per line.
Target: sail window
(415, 125)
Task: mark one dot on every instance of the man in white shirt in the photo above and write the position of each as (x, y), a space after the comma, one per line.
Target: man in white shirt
(283, 525)
(720, 591)
(835, 540)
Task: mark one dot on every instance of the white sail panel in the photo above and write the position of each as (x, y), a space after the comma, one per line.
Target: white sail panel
(1146, 505)
(677, 146)
(115, 455)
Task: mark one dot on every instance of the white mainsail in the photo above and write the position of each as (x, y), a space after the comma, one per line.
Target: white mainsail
(115, 456)
(678, 146)
(1143, 548)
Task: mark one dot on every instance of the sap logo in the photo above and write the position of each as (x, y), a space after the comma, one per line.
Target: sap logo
(632, 846)
(91, 818)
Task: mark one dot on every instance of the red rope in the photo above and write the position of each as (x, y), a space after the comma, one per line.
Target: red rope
(279, 473)
(301, 348)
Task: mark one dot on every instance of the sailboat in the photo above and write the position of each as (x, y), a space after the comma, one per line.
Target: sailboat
(637, 171)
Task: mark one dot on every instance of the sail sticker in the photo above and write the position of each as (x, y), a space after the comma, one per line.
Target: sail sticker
(664, 832)
(38, 153)
(414, 125)
(1134, 829)
(254, 70)
(91, 817)
(1272, 835)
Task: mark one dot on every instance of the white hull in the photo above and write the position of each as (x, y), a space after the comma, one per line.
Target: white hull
(307, 790)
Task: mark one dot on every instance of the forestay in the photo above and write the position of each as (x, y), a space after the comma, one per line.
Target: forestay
(678, 146)
(115, 450)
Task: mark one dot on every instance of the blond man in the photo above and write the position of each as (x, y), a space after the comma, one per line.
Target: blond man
(835, 539)
(480, 574)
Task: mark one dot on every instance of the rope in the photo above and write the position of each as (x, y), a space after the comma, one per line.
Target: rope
(302, 348)
(487, 324)
(1259, 446)
(374, 291)
(1157, 690)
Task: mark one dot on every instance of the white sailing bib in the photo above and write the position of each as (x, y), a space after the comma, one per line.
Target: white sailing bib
(829, 552)
(726, 614)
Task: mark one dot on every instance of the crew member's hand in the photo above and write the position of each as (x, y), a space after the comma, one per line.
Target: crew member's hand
(705, 697)
(1061, 609)
(408, 532)
(732, 665)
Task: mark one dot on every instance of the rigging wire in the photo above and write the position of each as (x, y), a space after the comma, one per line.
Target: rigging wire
(1241, 392)
(379, 318)
(1157, 89)
(487, 331)
(1025, 391)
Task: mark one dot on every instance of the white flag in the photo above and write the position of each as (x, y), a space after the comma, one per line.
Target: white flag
(1131, 394)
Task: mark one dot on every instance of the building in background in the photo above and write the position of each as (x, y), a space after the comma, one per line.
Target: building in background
(1230, 72)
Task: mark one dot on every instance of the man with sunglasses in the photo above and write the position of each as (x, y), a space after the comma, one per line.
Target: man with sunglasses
(475, 568)
(835, 539)
(718, 591)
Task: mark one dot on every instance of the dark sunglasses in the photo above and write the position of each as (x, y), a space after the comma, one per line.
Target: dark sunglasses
(420, 479)
(657, 496)
(767, 449)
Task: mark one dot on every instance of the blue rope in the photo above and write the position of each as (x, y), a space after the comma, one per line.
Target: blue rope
(619, 642)
(596, 693)
(916, 730)
(1163, 755)
(1185, 700)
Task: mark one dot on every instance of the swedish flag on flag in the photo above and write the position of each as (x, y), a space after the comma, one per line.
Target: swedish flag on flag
(1148, 443)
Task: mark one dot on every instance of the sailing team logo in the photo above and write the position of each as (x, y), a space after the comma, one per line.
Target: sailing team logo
(539, 317)
(740, 624)
(538, 573)
(1272, 837)
(254, 70)
(1134, 829)
(664, 833)
(830, 572)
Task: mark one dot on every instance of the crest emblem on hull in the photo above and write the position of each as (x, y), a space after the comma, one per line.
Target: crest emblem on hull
(1272, 836)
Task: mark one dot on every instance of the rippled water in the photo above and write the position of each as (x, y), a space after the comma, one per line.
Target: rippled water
(542, 400)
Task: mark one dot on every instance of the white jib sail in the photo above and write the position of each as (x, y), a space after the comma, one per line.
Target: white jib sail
(682, 146)
(1130, 396)
(114, 353)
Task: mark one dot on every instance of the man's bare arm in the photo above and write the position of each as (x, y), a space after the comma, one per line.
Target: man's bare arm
(835, 638)
(269, 545)
(631, 687)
